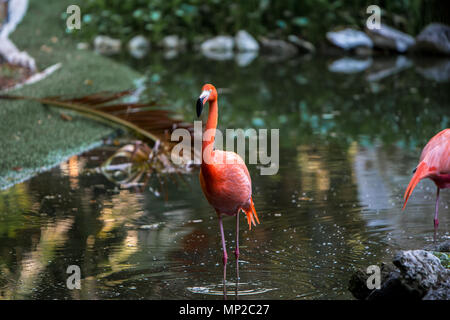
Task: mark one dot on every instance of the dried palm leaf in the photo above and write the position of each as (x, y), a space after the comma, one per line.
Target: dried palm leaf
(140, 161)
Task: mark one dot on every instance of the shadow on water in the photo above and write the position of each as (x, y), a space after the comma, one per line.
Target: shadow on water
(349, 139)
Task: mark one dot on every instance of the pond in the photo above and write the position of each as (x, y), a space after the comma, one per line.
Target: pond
(349, 139)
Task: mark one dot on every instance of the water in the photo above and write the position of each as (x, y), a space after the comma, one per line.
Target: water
(348, 144)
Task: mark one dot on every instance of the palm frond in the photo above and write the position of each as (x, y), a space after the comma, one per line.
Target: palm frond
(137, 161)
(142, 119)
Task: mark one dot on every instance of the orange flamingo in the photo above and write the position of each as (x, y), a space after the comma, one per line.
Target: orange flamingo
(224, 177)
(434, 164)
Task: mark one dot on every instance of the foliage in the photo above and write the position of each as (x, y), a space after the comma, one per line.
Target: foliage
(194, 19)
(444, 258)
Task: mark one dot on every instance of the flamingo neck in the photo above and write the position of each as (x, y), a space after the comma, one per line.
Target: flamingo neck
(210, 131)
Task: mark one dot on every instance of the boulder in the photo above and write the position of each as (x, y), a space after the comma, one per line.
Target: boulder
(348, 39)
(389, 38)
(435, 38)
(414, 275)
(106, 45)
(138, 46)
(279, 49)
(245, 42)
(349, 65)
(385, 67)
(173, 42)
(421, 271)
(302, 45)
(436, 70)
(218, 44)
(82, 46)
(243, 59)
(218, 55)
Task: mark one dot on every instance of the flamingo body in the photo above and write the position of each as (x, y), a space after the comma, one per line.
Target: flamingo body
(227, 185)
(434, 164)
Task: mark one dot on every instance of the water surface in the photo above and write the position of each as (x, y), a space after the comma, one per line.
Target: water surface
(349, 139)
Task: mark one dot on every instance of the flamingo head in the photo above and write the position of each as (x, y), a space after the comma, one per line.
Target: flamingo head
(209, 93)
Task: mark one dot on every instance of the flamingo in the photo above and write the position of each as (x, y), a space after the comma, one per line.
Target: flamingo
(224, 177)
(435, 165)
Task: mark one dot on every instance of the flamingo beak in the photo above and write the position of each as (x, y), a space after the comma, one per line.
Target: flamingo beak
(201, 101)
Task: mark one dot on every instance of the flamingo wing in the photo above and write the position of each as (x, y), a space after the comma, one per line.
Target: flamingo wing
(434, 161)
(440, 139)
(227, 185)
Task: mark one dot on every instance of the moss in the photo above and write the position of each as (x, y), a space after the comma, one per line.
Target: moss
(34, 137)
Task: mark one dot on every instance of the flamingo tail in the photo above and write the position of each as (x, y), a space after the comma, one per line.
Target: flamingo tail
(251, 214)
(420, 172)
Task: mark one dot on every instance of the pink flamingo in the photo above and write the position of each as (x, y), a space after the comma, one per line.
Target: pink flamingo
(224, 177)
(434, 164)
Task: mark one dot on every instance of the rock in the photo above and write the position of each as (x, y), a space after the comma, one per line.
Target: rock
(388, 66)
(173, 42)
(245, 42)
(348, 39)
(279, 49)
(358, 281)
(82, 46)
(138, 46)
(414, 275)
(358, 285)
(302, 45)
(435, 38)
(170, 54)
(391, 39)
(217, 55)
(243, 59)
(218, 44)
(106, 45)
(349, 65)
(442, 293)
(439, 71)
(421, 270)
(363, 51)
(441, 246)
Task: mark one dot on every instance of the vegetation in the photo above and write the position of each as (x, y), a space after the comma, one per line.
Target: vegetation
(194, 19)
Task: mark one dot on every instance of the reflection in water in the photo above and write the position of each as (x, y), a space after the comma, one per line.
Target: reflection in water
(347, 148)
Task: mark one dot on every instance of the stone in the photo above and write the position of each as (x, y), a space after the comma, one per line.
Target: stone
(245, 42)
(385, 67)
(82, 46)
(413, 275)
(217, 55)
(421, 270)
(435, 38)
(349, 65)
(348, 39)
(390, 39)
(218, 44)
(243, 59)
(106, 45)
(138, 46)
(303, 45)
(436, 70)
(173, 42)
(279, 48)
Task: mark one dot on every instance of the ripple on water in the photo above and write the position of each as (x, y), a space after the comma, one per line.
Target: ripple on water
(244, 289)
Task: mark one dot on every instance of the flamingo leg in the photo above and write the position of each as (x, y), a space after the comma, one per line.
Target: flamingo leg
(236, 253)
(225, 256)
(436, 220)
